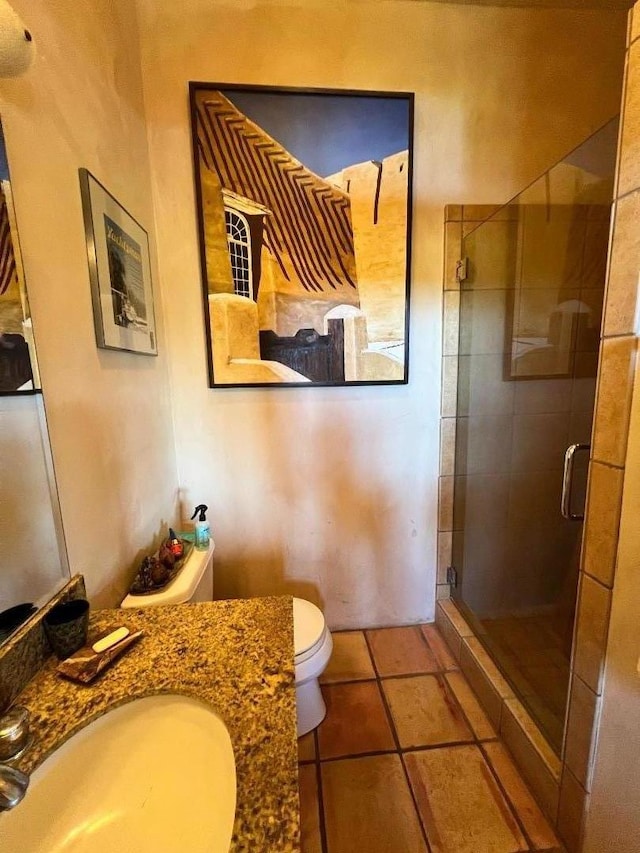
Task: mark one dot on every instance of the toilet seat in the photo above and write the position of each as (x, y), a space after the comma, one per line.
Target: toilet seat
(305, 656)
(309, 630)
(312, 650)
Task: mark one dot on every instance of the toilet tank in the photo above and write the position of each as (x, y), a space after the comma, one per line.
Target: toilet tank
(194, 582)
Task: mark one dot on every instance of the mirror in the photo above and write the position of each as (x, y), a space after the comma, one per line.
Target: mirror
(18, 364)
(33, 558)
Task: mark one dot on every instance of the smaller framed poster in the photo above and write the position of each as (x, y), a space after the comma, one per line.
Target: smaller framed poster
(120, 272)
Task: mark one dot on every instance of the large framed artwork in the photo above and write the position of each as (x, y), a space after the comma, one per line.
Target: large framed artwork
(120, 272)
(304, 213)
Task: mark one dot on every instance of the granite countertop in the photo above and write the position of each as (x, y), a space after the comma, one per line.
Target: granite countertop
(235, 655)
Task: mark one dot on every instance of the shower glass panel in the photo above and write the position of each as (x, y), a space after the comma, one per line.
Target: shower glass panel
(530, 316)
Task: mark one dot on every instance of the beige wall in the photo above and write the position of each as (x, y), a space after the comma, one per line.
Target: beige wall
(613, 818)
(80, 104)
(332, 493)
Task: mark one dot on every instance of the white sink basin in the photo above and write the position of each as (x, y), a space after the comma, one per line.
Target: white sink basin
(157, 774)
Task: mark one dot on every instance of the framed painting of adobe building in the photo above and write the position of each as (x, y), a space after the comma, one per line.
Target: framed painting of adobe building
(304, 212)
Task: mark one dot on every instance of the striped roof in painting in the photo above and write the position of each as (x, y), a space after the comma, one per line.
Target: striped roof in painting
(309, 231)
(7, 259)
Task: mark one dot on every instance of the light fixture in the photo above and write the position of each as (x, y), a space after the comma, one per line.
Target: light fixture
(16, 43)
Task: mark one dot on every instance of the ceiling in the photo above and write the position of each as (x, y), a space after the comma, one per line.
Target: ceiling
(548, 4)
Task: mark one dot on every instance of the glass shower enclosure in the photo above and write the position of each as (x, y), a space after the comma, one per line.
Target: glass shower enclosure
(532, 280)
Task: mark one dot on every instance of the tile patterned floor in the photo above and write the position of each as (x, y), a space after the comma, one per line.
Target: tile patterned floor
(406, 761)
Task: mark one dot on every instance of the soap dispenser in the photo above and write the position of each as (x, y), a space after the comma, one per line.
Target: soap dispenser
(201, 528)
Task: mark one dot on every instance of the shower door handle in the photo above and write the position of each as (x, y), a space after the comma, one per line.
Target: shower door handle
(567, 481)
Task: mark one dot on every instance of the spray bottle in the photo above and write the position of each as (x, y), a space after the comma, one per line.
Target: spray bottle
(201, 528)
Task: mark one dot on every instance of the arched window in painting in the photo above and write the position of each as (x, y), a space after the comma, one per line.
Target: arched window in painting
(239, 240)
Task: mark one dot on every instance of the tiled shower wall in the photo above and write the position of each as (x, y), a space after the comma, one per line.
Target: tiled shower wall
(618, 365)
(459, 221)
(568, 805)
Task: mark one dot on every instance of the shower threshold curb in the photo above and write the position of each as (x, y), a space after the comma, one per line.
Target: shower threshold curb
(531, 751)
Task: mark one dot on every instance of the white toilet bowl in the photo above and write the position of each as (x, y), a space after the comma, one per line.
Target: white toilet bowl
(312, 641)
(312, 648)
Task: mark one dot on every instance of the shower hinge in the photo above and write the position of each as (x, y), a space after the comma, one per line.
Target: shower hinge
(452, 576)
(461, 270)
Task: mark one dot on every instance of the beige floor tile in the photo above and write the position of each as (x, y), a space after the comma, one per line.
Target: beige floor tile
(535, 824)
(461, 805)
(477, 718)
(309, 810)
(307, 747)
(350, 660)
(368, 807)
(401, 651)
(439, 648)
(356, 721)
(424, 711)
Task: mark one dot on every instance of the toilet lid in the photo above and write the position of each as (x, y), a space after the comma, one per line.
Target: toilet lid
(308, 625)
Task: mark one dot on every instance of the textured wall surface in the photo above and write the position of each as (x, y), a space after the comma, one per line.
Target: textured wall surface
(332, 493)
(80, 104)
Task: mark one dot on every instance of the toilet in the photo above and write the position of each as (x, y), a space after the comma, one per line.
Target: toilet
(313, 646)
(311, 637)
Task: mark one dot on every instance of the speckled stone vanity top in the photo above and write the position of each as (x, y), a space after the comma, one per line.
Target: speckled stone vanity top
(235, 655)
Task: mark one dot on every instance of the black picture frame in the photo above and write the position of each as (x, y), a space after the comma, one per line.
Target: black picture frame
(305, 279)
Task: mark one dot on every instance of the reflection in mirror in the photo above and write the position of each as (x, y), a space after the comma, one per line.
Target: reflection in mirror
(18, 365)
(33, 562)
